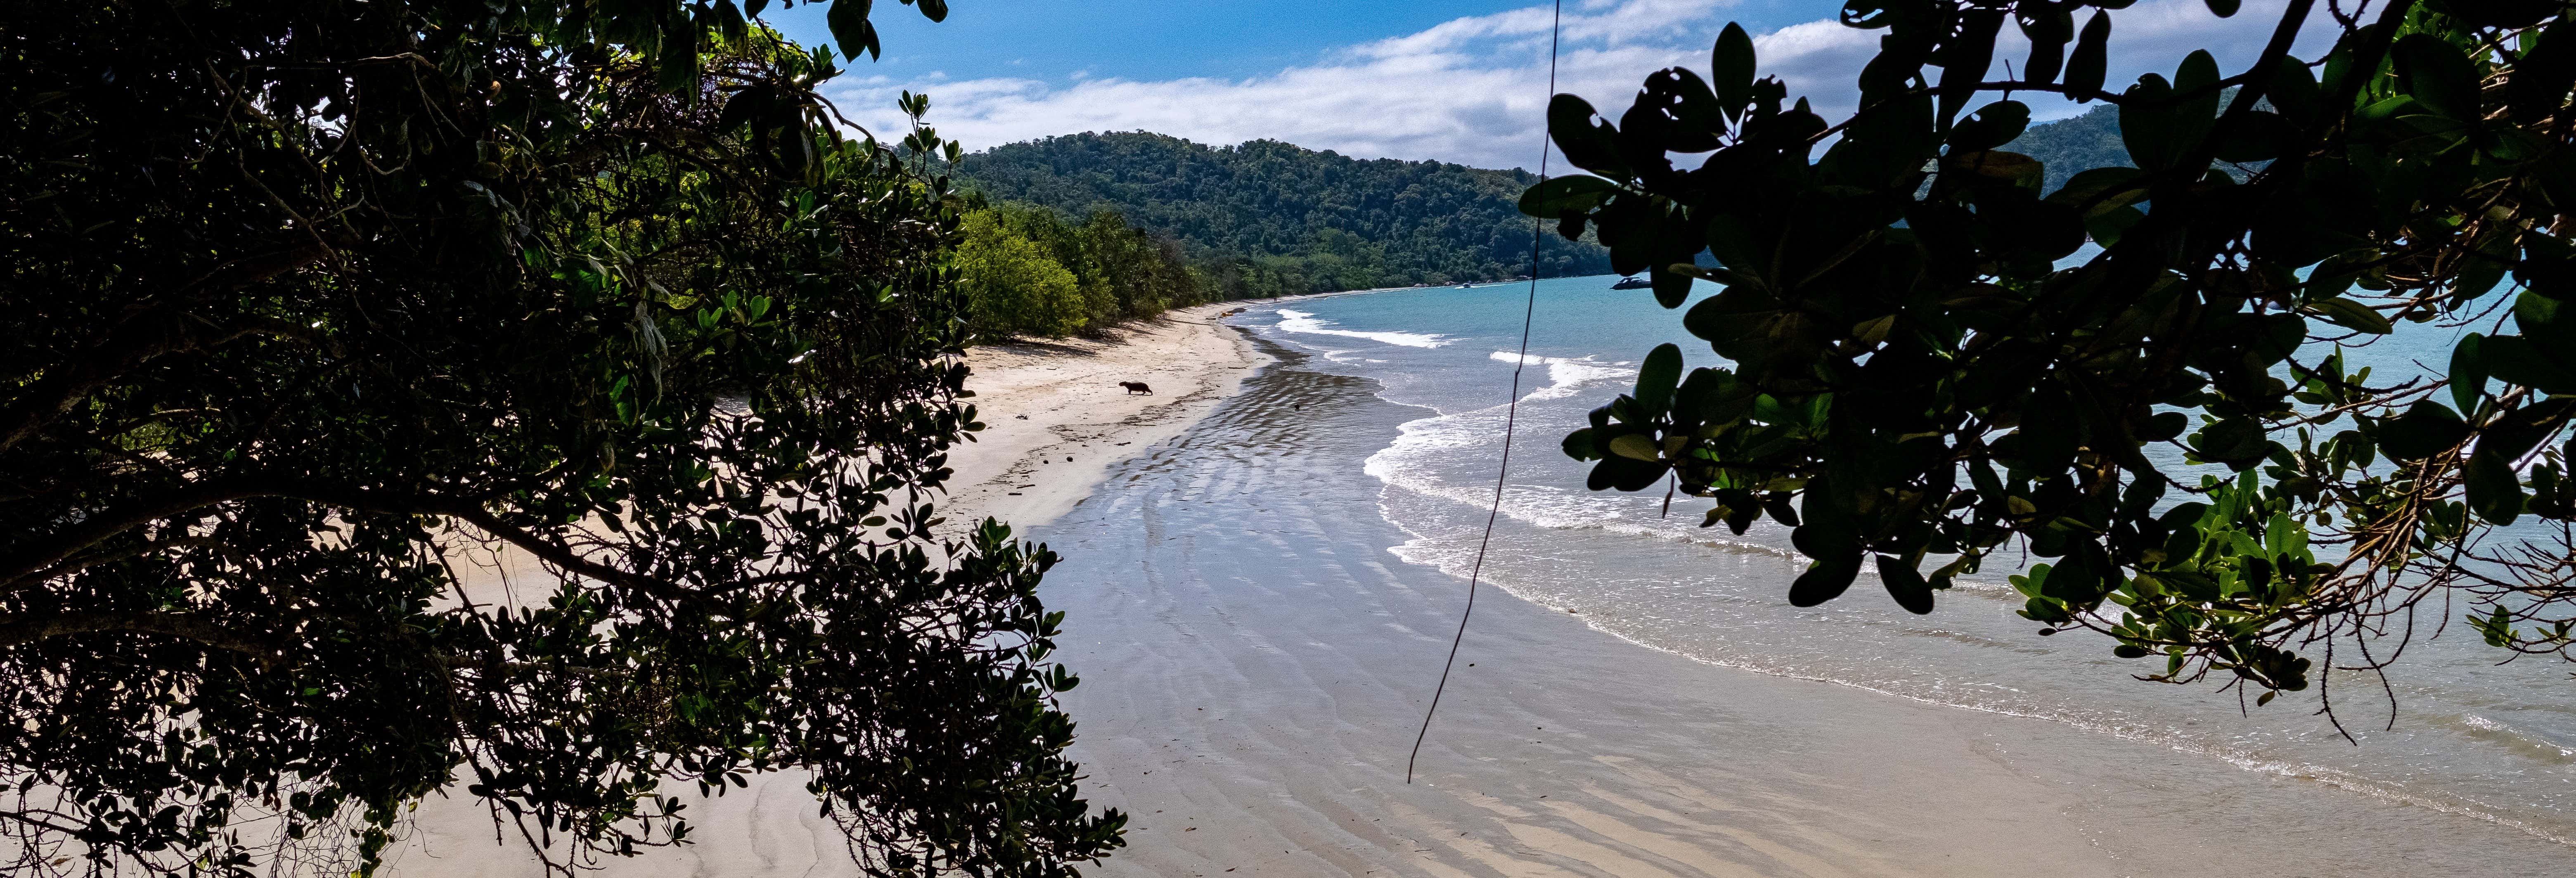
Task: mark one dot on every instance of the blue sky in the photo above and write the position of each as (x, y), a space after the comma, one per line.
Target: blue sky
(1452, 80)
(1162, 39)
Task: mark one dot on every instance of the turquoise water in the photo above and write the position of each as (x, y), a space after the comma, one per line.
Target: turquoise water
(2461, 735)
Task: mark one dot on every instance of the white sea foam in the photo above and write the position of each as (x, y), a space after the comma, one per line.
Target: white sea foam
(1438, 478)
(1426, 447)
(1303, 322)
(1963, 697)
(1565, 375)
(2517, 737)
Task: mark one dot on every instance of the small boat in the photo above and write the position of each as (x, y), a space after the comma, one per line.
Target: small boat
(1632, 283)
(1466, 286)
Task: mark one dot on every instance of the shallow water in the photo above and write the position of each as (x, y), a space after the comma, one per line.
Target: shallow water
(2461, 736)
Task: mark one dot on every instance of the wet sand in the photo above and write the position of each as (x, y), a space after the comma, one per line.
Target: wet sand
(1055, 418)
(1255, 664)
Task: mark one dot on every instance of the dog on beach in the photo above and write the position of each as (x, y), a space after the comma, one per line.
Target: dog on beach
(1136, 387)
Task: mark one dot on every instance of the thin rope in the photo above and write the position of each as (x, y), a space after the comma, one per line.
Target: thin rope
(1511, 418)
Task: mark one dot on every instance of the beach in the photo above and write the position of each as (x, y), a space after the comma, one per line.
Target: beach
(1256, 659)
(1258, 611)
(1055, 418)
(1056, 422)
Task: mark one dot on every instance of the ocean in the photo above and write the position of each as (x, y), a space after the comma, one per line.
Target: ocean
(2455, 730)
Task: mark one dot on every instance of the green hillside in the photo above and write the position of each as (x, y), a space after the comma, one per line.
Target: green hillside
(2066, 146)
(1267, 217)
(2092, 140)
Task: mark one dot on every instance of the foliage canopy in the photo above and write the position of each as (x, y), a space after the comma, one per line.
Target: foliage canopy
(1014, 286)
(1113, 271)
(1917, 383)
(311, 301)
(1265, 218)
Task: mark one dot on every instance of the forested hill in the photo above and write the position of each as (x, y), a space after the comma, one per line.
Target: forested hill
(1267, 217)
(2092, 140)
(2063, 147)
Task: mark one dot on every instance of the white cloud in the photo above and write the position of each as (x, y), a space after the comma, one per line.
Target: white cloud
(1473, 90)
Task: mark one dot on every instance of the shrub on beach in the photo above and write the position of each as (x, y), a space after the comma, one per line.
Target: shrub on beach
(1117, 272)
(1013, 285)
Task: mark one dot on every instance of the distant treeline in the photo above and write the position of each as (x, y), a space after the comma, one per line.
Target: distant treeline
(1267, 218)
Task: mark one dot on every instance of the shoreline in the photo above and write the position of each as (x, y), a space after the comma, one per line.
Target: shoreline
(1256, 666)
(1044, 400)
(1255, 663)
(1056, 420)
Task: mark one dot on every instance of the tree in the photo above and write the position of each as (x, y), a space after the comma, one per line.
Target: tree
(1145, 273)
(1916, 385)
(308, 298)
(1015, 286)
(1031, 272)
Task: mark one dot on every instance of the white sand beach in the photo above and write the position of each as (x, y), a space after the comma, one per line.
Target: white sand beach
(1255, 661)
(1055, 418)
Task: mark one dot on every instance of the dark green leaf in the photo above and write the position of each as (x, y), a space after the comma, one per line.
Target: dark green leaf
(2191, 117)
(1585, 142)
(2293, 91)
(2425, 430)
(2164, 426)
(2547, 321)
(2096, 186)
(2236, 442)
(2501, 13)
(2047, 27)
(2542, 76)
(1579, 445)
(1965, 57)
(2105, 227)
(1733, 321)
(1657, 378)
(1824, 580)
(1992, 126)
(2468, 373)
(2438, 76)
(2255, 137)
(2146, 124)
(1636, 446)
(2516, 360)
(2495, 494)
(1905, 584)
(1557, 196)
(2351, 315)
(1624, 473)
(2085, 69)
(851, 28)
(2514, 435)
(1731, 69)
(1672, 287)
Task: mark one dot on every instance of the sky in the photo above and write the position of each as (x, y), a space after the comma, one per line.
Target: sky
(1451, 80)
